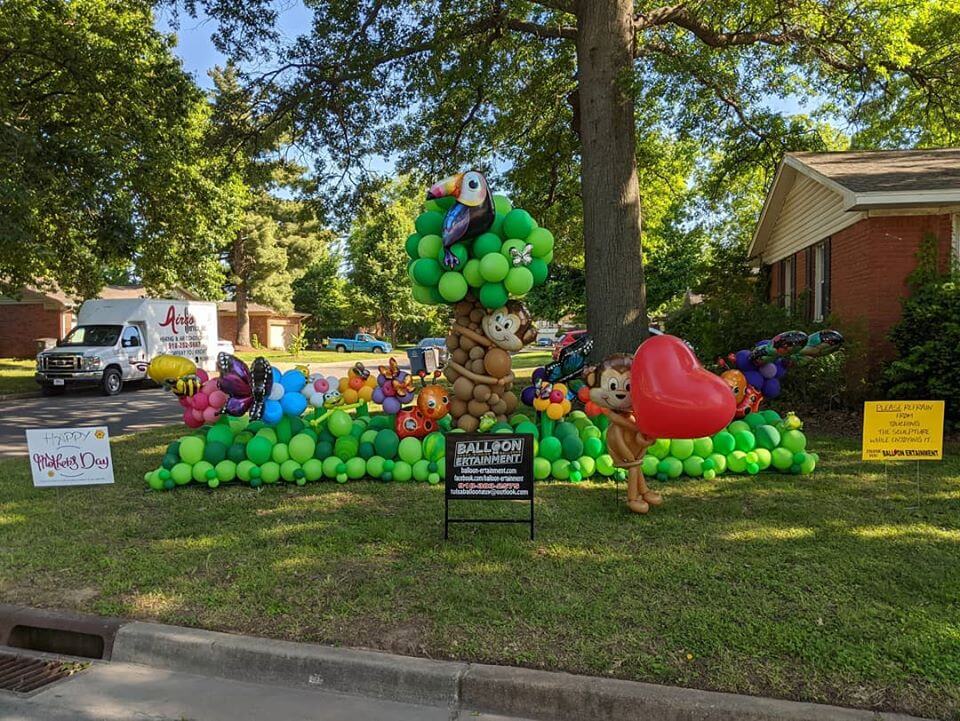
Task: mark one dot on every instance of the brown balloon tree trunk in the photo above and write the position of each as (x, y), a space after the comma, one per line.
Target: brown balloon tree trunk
(616, 304)
(479, 370)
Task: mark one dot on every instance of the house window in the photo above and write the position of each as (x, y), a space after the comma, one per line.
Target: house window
(955, 237)
(788, 282)
(821, 280)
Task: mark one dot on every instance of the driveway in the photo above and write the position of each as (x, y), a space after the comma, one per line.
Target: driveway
(133, 411)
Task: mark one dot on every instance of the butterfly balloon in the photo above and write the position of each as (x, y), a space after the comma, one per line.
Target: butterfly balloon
(246, 388)
(570, 362)
(522, 257)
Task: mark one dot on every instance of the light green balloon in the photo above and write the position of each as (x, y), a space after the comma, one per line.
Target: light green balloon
(808, 463)
(330, 466)
(693, 466)
(542, 241)
(421, 470)
(402, 471)
(270, 472)
(226, 471)
(673, 467)
(200, 471)
(719, 462)
(471, 273)
(519, 281)
(660, 448)
(191, 449)
(738, 426)
(452, 286)
(243, 470)
(681, 448)
(430, 246)
(737, 461)
(703, 447)
(588, 466)
(541, 468)
(181, 474)
(356, 468)
(560, 469)
(793, 440)
(375, 466)
(649, 465)
(605, 465)
(501, 204)
(339, 423)
(494, 267)
(764, 457)
(301, 447)
(288, 470)
(313, 469)
(280, 453)
(410, 450)
(269, 433)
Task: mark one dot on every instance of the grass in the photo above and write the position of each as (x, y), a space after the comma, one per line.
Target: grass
(839, 587)
(16, 375)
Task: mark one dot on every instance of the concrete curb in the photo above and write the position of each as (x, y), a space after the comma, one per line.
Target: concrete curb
(15, 396)
(501, 690)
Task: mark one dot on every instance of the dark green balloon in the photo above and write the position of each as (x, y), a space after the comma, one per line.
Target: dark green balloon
(214, 452)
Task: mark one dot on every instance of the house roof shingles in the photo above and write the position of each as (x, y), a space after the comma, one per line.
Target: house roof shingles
(889, 171)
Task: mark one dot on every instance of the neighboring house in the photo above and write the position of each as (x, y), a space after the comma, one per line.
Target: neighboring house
(839, 232)
(273, 329)
(39, 314)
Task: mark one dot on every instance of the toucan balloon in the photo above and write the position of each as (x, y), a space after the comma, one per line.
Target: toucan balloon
(470, 216)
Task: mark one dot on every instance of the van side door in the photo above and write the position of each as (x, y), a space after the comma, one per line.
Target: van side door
(131, 346)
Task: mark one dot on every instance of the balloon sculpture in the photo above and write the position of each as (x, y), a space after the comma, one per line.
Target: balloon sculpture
(754, 374)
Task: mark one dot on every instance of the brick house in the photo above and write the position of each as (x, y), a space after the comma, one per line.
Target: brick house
(38, 314)
(839, 232)
(273, 329)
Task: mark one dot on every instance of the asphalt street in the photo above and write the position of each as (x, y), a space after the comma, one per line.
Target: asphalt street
(122, 691)
(134, 410)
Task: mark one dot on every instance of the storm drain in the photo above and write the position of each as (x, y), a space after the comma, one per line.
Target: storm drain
(24, 674)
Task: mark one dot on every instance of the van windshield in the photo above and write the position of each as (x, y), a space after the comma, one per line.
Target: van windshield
(100, 335)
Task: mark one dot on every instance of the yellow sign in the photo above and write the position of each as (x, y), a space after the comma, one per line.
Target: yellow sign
(903, 430)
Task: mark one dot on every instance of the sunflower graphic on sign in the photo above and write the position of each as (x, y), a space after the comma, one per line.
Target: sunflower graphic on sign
(98, 435)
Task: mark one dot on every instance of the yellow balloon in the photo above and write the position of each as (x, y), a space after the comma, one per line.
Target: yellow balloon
(555, 411)
(170, 368)
(344, 384)
(541, 404)
(371, 381)
(560, 387)
(366, 393)
(350, 396)
(565, 406)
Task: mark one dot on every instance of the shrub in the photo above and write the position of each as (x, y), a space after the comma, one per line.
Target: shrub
(297, 344)
(927, 336)
(255, 342)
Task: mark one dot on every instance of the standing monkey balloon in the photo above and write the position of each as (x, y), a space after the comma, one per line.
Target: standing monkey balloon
(609, 385)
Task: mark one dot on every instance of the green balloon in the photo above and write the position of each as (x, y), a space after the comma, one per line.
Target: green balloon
(434, 446)
(572, 447)
(441, 205)
(493, 295)
(486, 244)
(453, 286)
(808, 463)
(673, 467)
(280, 453)
(494, 267)
(226, 471)
(587, 429)
(346, 448)
(724, 442)
(528, 428)
(421, 294)
(738, 426)
(793, 440)
(410, 450)
(284, 430)
(539, 270)
(269, 434)
(429, 223)
(764, 458)
(681, 448)
(593, 447)
(429, 247)
(502, 204)
(339, 423)
(737, 461)
(605, 465)
(270, 472)
(191, 449)
(541, 468)
(259, 449)
(703, 447)
(375, 466)
(519, 281)
(301, 447)
(564, 428)
(387, 443)
(243, 470)
(719, 462)
(154, 480)
(693, 466)
(550, 448)
(471, 273)
(754, 420)
(356, 468)
(199, 471)
(660, 448)
(427, 271)
(781, 459)
(771, 416)
(330, 466)
(313, 469)
(588, 466)
(402, 471)
(181, 473)
(744, 441)
(323, 450)
(220, 433)
(366, 450)
(649, 465)
(237, 452)
(421, 470)
(214, 452)
(412, 244)
(459, 251)
(497, 227)
(518, 224)
(767, 436)
(542, 241)
(560, 469)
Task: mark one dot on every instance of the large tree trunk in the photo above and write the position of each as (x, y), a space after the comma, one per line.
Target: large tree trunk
(243, 316)
(616, 300)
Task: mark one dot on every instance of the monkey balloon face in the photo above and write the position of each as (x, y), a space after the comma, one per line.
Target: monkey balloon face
(610, 383)
(509, 327)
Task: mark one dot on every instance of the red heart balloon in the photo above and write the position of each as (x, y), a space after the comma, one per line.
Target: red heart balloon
(673, 395)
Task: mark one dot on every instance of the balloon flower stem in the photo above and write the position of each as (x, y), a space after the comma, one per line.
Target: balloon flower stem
(546, 426)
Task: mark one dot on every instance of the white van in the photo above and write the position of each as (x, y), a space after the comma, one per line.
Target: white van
(115, 340)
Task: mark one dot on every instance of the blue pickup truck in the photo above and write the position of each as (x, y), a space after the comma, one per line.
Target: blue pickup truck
(361, 342)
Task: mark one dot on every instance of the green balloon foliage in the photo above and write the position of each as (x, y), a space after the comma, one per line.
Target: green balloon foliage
(429, 223)
(518, 224)
(493, 295)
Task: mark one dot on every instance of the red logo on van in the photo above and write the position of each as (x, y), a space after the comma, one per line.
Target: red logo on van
(173, 320)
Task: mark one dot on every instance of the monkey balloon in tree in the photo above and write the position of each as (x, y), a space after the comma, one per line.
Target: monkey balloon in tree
(609, 385)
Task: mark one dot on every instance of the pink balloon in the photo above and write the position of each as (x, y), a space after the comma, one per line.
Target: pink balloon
(210, 415)
(197, 415)
(202, 375)
(321, 385)
(184, 401)
(190, 420)
(200, 400)
(217, 399)
(210, 386)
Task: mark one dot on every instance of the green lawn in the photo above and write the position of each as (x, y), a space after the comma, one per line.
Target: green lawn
(838, 587)
(16, 375)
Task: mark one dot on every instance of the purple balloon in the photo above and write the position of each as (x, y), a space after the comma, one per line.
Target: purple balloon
(754, 378)
(781, 368)
(771, 388)
(391, 406)
(378, 395)
(538, 374)
(528, 394)
(768, 370)
(742, 359)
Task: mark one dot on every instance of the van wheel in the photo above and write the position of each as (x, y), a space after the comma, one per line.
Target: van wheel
(341, 349)
(112, 382)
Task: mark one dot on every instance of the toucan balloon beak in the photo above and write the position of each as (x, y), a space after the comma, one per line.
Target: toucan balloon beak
(447, 186)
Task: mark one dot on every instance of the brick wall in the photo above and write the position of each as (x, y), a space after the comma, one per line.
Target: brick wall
(21, 324)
